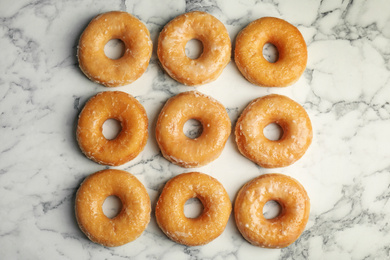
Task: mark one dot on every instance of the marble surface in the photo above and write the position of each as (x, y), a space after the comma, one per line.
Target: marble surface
(345, 90)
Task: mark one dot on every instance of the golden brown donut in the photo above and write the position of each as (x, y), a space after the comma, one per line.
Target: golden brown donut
(216, 48)
(287, 226)
(131, 220)
(176, 146)
(193, 231)
(285, 37)
(129, 142)
(138, 49)
(293, 119)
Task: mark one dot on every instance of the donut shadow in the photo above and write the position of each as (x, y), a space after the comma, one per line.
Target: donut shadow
(233, 48)
(74, 130)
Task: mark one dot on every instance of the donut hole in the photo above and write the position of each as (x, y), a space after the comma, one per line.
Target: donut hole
(272, 209)
(270, 52)
(194, 49)
(112, 206)
(193, 208)
(115, 49)
(111, 128)
(193, 128)
(273, 132)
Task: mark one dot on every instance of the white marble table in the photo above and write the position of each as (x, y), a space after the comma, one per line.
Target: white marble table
(345, 90)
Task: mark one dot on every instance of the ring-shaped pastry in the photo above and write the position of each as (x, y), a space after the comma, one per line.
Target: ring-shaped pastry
(129, 142)
(285, 37)
(138, 49)
(289, 115)
(282, 230)
(131, 220)
(193, 231)
(182, 150)
(216, 48)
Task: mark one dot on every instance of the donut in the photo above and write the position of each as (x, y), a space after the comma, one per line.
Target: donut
(282, 230)
(131, 220)
(216, 48)
(138, 49)
(129, 142)
(291, 46)
(193, 231)
(289, 115)
(175, 146)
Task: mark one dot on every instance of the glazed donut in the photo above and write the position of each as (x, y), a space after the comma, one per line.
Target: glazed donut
(138, 49)
(129, 142)
(287, 226)
(131, 220)
(193, 231)
(289, 43)
(176, 146)
(289, 115)
(216, 48)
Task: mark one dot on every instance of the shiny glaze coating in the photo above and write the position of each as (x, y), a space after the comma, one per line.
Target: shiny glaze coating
(138, 49)
(293, 119)
(129, 142)
(131, 220)
(248, 53)
(193, 231)
(182, 150)
(216, 48)
(287, 226)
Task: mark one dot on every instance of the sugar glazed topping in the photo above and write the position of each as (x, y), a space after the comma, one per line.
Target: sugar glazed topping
(182, 150)
(216, 48)
(289, 115)
(291, 46)
(282, 230)
(129, 142)
(193, 231)
(138, 49)
(131, 220)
